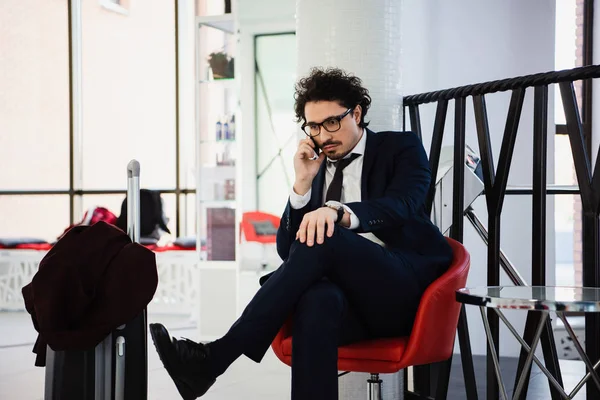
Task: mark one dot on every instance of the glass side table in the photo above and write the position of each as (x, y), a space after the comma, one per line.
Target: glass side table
(535, 298)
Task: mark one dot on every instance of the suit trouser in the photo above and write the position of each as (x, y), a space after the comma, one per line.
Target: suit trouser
(341, 291)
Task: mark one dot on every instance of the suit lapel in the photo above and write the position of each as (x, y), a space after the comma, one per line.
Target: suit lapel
(369, 159)
(316, 200)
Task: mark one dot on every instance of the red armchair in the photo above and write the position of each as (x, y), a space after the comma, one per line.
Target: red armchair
(431, 339)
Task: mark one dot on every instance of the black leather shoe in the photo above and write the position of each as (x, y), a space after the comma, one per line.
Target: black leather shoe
(185, 361)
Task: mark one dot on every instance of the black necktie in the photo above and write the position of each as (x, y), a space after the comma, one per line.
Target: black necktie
(334, 192)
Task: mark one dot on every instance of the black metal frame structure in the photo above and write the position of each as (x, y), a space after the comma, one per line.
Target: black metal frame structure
(495, 183)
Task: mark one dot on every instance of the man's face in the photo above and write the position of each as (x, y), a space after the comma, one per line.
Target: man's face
(338, 144)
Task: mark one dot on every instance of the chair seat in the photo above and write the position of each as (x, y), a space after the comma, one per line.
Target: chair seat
(431, 339)
(377, 355)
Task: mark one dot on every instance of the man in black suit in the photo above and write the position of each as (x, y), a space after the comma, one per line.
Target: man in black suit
(358, 248)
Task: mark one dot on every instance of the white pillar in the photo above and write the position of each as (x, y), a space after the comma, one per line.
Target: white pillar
(361, 37)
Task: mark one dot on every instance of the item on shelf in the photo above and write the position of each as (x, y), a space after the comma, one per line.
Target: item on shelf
(229, 189)
(226, 132)
(227, 6)
(221, 158)
(229, 127)
(220, 243)
(232, 127)
(219, 130)
(230, 72)
(224, 155)
(221, 65)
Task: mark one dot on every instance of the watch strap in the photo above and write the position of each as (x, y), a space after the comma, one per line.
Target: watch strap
(338, 207)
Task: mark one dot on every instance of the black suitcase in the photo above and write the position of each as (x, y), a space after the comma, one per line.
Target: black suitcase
(117, 368)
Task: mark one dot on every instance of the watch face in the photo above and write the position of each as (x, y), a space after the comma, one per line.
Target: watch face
(334, 204)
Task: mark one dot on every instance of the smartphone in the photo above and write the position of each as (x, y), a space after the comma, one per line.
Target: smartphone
(317, 149)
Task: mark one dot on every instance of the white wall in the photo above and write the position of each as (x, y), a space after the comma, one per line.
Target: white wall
(447, 44)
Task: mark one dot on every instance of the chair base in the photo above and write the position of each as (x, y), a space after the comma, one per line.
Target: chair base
(374, 387)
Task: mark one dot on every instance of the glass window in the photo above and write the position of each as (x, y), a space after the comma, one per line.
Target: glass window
(564, 57)
(187, 218)
(34, 100)
(128, 94)
(567, 214)
(276, 130)
(567, 218)
(44, 217)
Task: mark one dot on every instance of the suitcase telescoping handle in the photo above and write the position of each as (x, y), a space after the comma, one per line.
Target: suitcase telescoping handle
(104, 383)
(133, 230)
(133, 200)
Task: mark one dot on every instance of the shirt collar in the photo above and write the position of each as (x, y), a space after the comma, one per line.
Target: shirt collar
(358, 149)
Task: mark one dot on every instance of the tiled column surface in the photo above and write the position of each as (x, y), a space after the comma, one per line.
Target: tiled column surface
(362, 37)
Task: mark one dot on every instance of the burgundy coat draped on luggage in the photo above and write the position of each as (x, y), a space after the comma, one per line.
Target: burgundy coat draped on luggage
(93, 280)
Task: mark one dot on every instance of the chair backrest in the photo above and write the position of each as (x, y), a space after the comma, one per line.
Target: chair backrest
(434, 329)
(255, 221)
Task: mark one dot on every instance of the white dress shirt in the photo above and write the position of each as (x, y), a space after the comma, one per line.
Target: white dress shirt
(351, 191)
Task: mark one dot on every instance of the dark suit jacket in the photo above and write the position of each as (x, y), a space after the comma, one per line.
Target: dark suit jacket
(93, 280)
(394, 187)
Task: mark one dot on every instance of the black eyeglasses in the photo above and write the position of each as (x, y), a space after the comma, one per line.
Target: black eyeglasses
(331, 124)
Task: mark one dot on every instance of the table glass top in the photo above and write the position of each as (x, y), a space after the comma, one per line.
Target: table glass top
(549, 298)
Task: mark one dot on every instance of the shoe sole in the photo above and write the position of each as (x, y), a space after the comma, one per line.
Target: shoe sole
(184, 389)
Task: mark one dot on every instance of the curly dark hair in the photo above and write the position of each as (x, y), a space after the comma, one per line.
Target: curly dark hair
(331, 84)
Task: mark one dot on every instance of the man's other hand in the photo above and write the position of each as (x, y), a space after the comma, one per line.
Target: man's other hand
(315, 225)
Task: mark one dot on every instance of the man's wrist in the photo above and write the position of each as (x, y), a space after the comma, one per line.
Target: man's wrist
(342, 216)
(302, 187)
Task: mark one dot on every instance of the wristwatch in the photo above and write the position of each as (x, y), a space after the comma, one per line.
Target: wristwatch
(337, 206)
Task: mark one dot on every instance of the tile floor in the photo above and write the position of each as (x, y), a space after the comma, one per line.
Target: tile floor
(20, 380)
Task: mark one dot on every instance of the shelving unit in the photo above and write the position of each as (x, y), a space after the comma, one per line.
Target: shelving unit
(218, 162)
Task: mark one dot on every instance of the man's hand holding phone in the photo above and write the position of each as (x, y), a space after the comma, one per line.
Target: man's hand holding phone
(316, 149)
(306, 166)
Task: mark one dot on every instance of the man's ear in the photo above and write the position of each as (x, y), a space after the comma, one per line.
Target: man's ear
(357, 114)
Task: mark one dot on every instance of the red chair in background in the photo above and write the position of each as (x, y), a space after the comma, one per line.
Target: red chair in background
(260, 227)
(431, 339)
